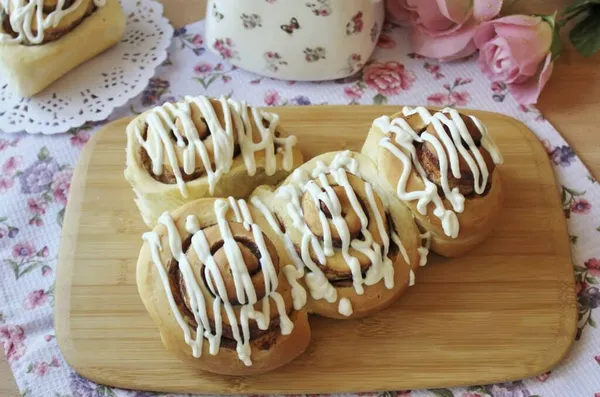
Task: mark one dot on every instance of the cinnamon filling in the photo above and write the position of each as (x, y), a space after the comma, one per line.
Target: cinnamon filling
(51, 34)
(263, 339)
(167, 176)
(336, 269)
(428, 158)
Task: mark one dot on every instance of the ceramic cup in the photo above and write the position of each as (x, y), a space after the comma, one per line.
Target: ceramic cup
(295, 39)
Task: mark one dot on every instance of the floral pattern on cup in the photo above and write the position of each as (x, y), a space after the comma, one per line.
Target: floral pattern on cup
(251, 21)
(354, 64)
(355, 25)
(374, 32)
(225, 48)
(274, 61)
(314, 54)
(320, 7)
(289, 28)
(215, 11)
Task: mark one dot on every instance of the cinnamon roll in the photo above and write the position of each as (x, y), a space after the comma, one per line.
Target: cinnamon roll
(443, 165)
(42, 40)
(201, 147)
(356, 243)
(216, 279)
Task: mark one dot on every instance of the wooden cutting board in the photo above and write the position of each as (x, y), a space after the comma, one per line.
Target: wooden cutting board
(504, 312)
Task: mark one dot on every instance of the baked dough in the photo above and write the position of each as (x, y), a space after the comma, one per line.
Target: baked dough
(29, 69)
(354, 211)
(231, 149)
(177, 272)
(456, 200)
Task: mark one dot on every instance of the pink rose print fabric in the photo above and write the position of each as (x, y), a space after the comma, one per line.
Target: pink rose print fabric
(36, 174)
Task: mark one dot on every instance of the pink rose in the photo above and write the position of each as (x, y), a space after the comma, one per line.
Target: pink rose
(581, 206)
(460, 98)
(597, 358)
(61, 183)
(3, 144)
(581, 286)
(35, 299)
(12, 337)
(438, 99)
(443, 29)
(388, 78)
(55, 362)
(23, 250)
(593, 266)
(5, 184)
(80, 139)
(48, 338)
(40, 368)
(516, 50)
(37, 205)
(203, 68)
(46, 270)
(10, 166)
(353, 93)
(271, 98)
(197, 40)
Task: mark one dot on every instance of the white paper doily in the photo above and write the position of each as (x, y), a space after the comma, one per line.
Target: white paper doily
(93, 90)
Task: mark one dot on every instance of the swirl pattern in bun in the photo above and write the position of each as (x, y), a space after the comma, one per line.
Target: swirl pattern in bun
(218, 282)
(202, 147)
(443, 165)
(358, 245)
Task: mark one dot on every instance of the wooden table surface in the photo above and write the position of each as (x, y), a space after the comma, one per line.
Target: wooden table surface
(571, 102)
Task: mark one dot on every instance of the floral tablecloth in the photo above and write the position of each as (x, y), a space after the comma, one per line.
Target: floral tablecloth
(36, 172)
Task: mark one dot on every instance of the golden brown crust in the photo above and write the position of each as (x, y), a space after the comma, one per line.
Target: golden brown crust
(376, 297)
(269, 348)
(480, 213)
(67, 24)
(158, 193)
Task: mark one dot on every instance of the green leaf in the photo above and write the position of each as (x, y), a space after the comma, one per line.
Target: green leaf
(580, 268)
(380, 99)
(478, 389)
(3, 219)
(574, 192)
(442, 392)
(592, 322)
(585, 36)
(598, 229)
(43, 154)
(15, 267)
(573, 239)
(28, 269)
(563, 195)
(556, 46)
(591, 280)
(60, 217)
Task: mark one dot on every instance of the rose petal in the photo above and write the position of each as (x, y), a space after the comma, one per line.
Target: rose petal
(529, 42)
(484, 10)
(430, 19)
(457, 11)
(399, 11)
(444, 46)
(528, 92)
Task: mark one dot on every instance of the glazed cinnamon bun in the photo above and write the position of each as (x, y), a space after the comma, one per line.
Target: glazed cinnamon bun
(42, 40)
(443, 165)
(202, 147)
(216, 279)
(356, 244)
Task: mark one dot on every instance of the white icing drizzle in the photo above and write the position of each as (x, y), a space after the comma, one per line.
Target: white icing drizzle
(424, 249)
(381, 265)
(21, 15)
(161, 123)
(345, 307)
(245, 292)
(448, 148)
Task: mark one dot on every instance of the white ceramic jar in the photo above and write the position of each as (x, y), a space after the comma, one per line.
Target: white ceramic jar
(295, 39)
